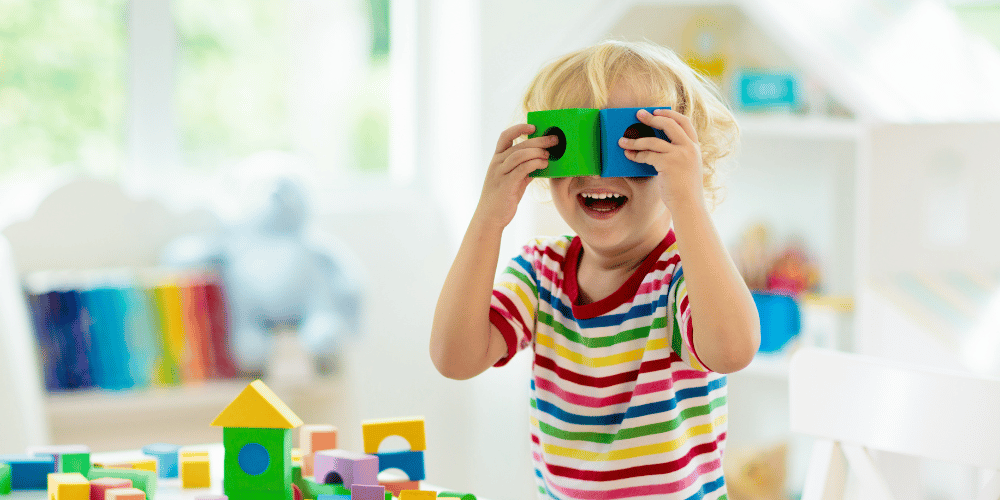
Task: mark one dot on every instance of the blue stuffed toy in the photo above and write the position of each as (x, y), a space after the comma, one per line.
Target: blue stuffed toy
(280, 276)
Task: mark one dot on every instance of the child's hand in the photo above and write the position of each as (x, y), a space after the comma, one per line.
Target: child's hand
(507, 175)
(678, 161)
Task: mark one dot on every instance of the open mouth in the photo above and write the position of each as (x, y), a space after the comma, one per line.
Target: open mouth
(601, 205)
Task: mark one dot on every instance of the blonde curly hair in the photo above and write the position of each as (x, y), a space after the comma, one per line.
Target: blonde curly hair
(584, 79)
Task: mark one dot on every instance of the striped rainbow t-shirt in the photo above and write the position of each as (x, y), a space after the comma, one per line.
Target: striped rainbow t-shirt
(621, 407)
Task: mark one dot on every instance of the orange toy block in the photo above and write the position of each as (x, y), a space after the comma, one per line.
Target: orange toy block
(313, 438)
(100, 486)
(68, 486)
(409, 428)
(195, 472)
(125, 494)
(417, 495)
(397, 486)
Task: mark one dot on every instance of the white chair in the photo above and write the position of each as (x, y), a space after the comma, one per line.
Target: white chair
(854, 405)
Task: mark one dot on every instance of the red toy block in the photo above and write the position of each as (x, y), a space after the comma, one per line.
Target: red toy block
(100, 486)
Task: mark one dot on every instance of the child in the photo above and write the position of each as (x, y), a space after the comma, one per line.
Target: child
(630, 340)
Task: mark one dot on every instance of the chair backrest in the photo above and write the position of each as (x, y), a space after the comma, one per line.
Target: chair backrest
(885, 405)
(869, 403)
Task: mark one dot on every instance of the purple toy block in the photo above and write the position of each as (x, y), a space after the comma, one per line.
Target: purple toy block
(350, 467)
(367, 492)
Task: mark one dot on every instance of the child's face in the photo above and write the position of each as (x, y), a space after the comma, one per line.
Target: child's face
(613, 213)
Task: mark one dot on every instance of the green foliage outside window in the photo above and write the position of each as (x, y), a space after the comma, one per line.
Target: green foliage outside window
(62, 86)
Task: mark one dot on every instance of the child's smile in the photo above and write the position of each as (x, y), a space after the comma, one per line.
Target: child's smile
(601, 203)
(616, 214)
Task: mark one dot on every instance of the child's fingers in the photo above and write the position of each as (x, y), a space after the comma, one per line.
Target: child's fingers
(536, 143)
(521, 156)
(684, 121)
(530, 166)
(507, 136)
(647, 157)
(667, 124)
(645, 143)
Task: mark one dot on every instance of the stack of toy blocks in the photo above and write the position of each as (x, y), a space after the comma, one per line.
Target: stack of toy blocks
(411, 461)
(313, 438)
(257, 436)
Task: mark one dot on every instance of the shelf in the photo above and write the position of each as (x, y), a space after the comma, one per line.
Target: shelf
(67, 405)
(803, 127)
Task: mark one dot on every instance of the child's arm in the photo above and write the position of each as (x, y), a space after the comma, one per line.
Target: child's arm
(726, 326)
(463, 341)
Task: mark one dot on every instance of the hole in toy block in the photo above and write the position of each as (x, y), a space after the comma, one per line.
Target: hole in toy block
(333, 478)
(639, 130)
(557, 151)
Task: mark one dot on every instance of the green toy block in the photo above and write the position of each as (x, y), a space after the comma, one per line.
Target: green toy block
(5, 479)
(454, 494)
(579, 148)
(257, 459)
(260, 495)
(311, 489)
(75, 462)
(144, 480)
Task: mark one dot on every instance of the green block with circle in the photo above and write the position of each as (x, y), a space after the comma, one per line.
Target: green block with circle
(579, 150)
(257, 460)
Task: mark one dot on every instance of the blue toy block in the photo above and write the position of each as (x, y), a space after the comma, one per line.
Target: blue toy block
(29, 472)
(166, 458)
(410, 462)
(622, 122)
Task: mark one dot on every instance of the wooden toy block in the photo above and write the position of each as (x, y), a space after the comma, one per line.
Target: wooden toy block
(349, 467)
(256, 459)
(196, 473)
(616, 123)
(58, 452)
(193, 453)
(313, 438)
(396, 486)
(149, 465)
(296, 492)
(261, 495)
(411, 429)
(100, 486)
(454, 494)
(75, 462)
(296, 456)
(578, 151)
(410, 462)
(167, 458)
(143, 479)
(417, 495)
(257, 407)
(367, 492)
(125, 494)
(29, 472)
(5, 488)
(68, 486)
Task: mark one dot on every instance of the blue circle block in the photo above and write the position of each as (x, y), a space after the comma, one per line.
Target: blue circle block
(166, 458)
(254, 459)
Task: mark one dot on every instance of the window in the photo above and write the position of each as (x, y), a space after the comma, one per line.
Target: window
(85, 84)
(62, 87)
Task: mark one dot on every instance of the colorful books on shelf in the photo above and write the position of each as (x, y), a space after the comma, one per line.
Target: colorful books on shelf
(114, 332)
